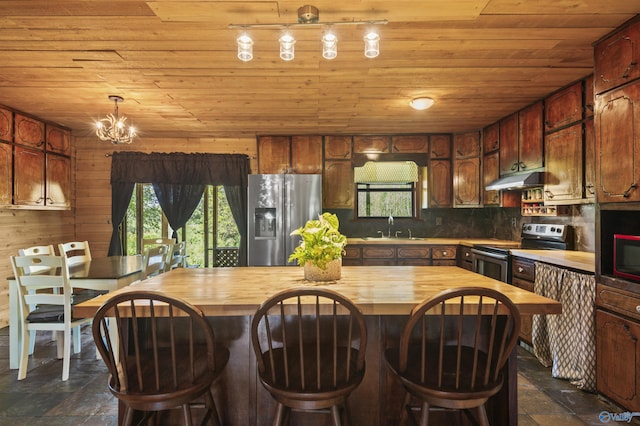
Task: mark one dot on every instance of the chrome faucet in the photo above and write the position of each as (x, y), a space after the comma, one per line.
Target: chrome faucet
(390, 220)
(409, 232)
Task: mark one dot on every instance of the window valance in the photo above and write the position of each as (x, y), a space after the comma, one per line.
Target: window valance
(180, 168)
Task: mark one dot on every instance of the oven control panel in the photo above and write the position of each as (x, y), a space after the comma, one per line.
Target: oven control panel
(545, 231)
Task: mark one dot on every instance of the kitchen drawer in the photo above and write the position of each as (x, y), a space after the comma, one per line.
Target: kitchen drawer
(414, 252)
(617, 300)
(444, 252)
(352, 252)
(466, 258)
(378, 252)
(523, 268)
(444, 262)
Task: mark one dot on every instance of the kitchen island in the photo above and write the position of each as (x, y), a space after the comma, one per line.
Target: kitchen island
(229, 296)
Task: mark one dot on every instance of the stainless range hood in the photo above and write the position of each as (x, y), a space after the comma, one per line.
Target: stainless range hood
(520, 181)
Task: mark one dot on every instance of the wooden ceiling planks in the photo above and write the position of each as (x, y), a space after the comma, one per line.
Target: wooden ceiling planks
(175, 63)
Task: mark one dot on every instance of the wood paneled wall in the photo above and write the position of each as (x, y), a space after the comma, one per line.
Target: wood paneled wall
(90, 217)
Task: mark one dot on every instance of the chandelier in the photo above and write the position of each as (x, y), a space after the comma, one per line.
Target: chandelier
(308, 16)
(112, 128)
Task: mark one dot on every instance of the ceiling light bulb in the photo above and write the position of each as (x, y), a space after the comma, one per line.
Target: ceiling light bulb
(287, 42)
(371, 44)
(421, 103)
(329, 45)
(245, 47)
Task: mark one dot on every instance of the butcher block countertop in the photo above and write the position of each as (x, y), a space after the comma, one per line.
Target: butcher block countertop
(580, 260)
(377, 290)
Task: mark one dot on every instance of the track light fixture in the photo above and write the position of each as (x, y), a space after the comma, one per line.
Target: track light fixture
(308, 16)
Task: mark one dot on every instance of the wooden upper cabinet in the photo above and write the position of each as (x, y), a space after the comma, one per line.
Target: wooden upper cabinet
(58, 140)
(410, 144)
(6, 125)
(530, 138)
(58, 181)
(563, 166)
(617, 59)
(509, 144)
(306, 154)
(337, 147)
(589, 160)
(466, 182)
(618, 145)
(491, 138)
(371, 144)
(440, 146)
(6, 174)
(29, 177)
(28, 131)
(563, 108)
(274, 154)
(338, 186)
(490, 172)
(440, 182)
(466, 145)
(589, 97)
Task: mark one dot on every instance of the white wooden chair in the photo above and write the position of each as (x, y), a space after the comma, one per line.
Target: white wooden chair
(75, 252)
(155, 260)
(36, 251)
(52, 311)
(177, 256)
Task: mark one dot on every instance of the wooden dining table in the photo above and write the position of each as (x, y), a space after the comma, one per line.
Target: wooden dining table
(385, 294)
(101, 274)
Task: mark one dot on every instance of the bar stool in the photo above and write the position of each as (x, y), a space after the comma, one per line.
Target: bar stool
(452, 351)
(310, 345)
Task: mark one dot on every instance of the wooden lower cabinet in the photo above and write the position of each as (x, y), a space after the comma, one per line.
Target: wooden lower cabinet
(399, 255)
(618, 359)
(6, 174)
(523, 274)
(352, 256)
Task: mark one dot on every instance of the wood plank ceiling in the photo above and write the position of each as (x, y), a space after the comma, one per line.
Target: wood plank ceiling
(175, 63)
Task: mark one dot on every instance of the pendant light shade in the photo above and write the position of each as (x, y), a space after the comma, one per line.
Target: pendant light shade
(329, 45)
(372, 44)
(287, 42)
(245, 47)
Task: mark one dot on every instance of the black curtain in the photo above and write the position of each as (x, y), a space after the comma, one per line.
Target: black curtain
(237, 199)
(120, 198)
(177, 176)
(178, 202)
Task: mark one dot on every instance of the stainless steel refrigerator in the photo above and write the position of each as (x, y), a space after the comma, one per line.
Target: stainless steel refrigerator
(279, 204)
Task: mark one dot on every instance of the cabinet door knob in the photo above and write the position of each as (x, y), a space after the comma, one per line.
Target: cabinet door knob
(520, 269)
(469, 254)
(638, 309)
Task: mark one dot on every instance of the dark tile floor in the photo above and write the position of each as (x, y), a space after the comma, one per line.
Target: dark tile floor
(43, 399)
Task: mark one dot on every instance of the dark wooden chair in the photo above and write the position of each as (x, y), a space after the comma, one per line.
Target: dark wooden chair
(310, 345)
(171, 360)
(453, 349)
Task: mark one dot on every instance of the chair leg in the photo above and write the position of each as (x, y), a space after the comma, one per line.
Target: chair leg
(482, 415)
(424, 416)
(32, 340)
(212, 412)
(24, 352)
(77, 339)
(66, 358)
(404, 415)
(280, 414)
(335, 415)
(186, 411)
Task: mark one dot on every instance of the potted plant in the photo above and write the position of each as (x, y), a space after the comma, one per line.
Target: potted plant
(321, 248)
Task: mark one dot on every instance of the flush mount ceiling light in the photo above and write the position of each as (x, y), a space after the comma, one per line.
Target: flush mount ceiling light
(421, 103)
(308, 16)
(112, 128)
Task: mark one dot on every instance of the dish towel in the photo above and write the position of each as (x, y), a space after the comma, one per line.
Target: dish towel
(567, 342)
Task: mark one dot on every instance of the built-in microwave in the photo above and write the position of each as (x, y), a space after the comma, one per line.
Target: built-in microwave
(626, 256)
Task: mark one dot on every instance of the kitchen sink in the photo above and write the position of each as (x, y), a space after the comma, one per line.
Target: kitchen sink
(392, 238)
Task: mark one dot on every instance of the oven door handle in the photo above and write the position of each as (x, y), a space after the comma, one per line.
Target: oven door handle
(490, 255)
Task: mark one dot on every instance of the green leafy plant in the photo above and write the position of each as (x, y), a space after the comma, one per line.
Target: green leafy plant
(321, 241)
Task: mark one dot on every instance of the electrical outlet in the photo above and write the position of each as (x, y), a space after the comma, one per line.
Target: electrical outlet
(514, 222)
(438, 221)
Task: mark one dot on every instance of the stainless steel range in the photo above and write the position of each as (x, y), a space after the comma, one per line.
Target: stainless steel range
(494, 260)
